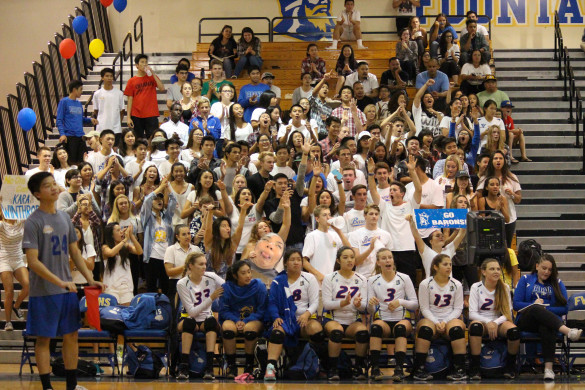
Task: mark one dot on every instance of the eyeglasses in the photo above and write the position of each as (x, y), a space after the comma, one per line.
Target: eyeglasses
(229, 91)
(75, 177)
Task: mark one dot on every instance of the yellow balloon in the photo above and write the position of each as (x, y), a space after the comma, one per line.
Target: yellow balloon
(96, 48)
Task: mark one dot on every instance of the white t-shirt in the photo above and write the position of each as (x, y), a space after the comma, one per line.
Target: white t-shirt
(335, 290)
(446, 124)
(59, 175)
(482, 70)
(440, 304)
(28, 174)
(484, 125)
(394, 221)
(165, 167)
(157, 157)
(120, 279)
(217, 109)
(180, 128)
(160, 243)
(384, 195)
(192, 197)
(133, 168)
(361, 239)
(423, 122)
(428, 255)
(400, 288)
(256, 113)
(242, 133)
(355, 16)
(443, 182)
(134, 221)
(302, 129)
(76, 276)
(360, 178)
(432, 194)
(187, 156)
(354, 220)
(109, 104)
(369, 84)
(480, 30)
(98, 161)
(181, 199)
(249, 222)
(288, 171)
(321, 249)
(176, 256)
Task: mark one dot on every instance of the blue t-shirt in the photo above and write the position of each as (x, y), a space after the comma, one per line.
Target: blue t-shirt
(441, 81)
(448, 28)
(213, 126)
(247, 92)
(70, 119)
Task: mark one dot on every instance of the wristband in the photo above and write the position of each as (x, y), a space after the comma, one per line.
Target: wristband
(371, 174)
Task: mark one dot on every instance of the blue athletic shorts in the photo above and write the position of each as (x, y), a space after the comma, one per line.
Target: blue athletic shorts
(53, 315)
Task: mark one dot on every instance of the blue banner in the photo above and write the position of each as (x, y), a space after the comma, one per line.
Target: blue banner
(440, 218)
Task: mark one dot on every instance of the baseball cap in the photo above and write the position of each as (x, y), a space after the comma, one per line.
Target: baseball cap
(160, 195)
(461, 173)
(93, 133)
(490, 77)
(158, 139)
(364, 134)
(266, 75)
(506, 103)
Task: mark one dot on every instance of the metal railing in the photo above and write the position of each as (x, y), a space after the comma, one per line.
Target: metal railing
(139, 37)
(272, 23)
(44, 87)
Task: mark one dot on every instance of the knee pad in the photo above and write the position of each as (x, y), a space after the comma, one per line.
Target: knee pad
(210, 325)
(376, 331)
(476, 329)
(513, 334)
(276, 337)
(456, 333)
(399, 331)
(362, 337)
(425, 333)
(336, 336)
(189, 325)
(317, 337)
(250, 335)
(228, 335)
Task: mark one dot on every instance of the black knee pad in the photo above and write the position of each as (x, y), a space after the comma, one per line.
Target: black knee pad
(336, 336)
(362, 337)
(513, 334)
(210, 325)
(276, 337)
(189, 325)
(476, 329)
(425, 333)
(399, 331)
(376, 331)
(456, 333)
(317, 337)
(228, 335)
(250, 336)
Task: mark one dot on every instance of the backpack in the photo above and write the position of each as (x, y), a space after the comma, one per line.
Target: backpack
(493, 358)
(197, 359)
(344, 363)
(160, 319)
(438, 360)
(301, 363)
(111, 319)
(529, 251)
(261, 355)
(143, 363)
(84, 368)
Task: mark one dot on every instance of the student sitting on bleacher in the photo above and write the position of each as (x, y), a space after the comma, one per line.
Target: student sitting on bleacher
(249, 47)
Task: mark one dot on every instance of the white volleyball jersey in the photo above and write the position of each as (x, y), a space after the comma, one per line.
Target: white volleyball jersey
(399, 288)
(305, 292)
(335, 290)
(440, 304)
(196, 297)
(482, 304)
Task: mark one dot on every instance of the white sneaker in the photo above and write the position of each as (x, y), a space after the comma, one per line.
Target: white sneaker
(549, 375)
(79, 387)
(331, 47)
(575, 334)
(270, 374)
(362, 47)
(8, 327)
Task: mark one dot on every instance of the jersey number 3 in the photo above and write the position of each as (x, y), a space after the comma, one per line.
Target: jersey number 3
(59, 246)
(445, 298)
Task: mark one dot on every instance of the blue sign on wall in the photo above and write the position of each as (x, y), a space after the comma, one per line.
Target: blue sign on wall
(305, 29)
(440, 218)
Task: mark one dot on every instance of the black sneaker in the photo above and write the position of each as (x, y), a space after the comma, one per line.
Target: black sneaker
(333, 375)
(249, 369)
(360, 373)
(510, 372)
(208, 374)
(398, 375)
(422, 375)
(376, 374)
(183, 371)
(232, 372)
(17, 312)
(474, 374)
(458, 374)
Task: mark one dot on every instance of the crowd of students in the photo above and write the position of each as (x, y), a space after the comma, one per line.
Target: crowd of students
(234, 195)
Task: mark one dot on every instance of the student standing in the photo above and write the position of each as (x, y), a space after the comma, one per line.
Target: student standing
(108, 105)
(53, 309)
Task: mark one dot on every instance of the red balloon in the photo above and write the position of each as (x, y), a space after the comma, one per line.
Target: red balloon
(106, 3)
(67, 48)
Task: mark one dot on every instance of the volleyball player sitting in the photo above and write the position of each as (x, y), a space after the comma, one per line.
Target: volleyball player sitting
(490, 310)
(344, 297)
(197, 291)
(390, 295)
(441, 301)
(292, 303)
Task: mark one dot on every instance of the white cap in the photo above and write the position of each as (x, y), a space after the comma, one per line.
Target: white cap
(364, 134)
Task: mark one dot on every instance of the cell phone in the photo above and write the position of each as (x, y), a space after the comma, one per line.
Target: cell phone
(216, 205)
(290, 186)
(448, 188)
(337, 174)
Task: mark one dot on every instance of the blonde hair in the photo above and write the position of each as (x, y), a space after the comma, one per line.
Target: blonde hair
(377, 268)
(455, 159)
(492, 146)
(115, 217)
(234, 191)
(375, 111)
(502, 294)
(263, 155)
(191, 259)
(202, 100)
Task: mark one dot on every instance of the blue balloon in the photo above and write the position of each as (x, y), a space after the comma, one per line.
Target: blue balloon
(120, 5)
(80, 24)
(27, 118)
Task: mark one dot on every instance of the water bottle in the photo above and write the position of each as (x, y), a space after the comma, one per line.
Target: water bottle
(148, 71)
(202, 74)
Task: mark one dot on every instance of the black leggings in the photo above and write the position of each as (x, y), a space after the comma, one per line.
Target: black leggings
(510, 230)
(539, 320)
(467, 272)
(156, 276)
(406, 263)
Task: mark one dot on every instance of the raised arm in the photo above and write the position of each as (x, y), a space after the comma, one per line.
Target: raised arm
(419, 94)
(286, 218)
(420, 244)
(372, 182)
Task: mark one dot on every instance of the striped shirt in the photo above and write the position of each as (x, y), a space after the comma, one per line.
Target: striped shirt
(11, 241)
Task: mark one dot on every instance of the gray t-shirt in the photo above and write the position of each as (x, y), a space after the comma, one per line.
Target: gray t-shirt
(51, 235)
(174, 92)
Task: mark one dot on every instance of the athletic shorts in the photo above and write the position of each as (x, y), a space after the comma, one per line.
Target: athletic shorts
(123, 293)
(347, 34)
(11, 265)
(53, 315)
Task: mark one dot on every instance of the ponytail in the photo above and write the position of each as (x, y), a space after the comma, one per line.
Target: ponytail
(502, 295)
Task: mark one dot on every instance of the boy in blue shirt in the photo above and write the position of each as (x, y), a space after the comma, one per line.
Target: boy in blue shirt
(53, 309)
(250, 93)
(70, 122)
